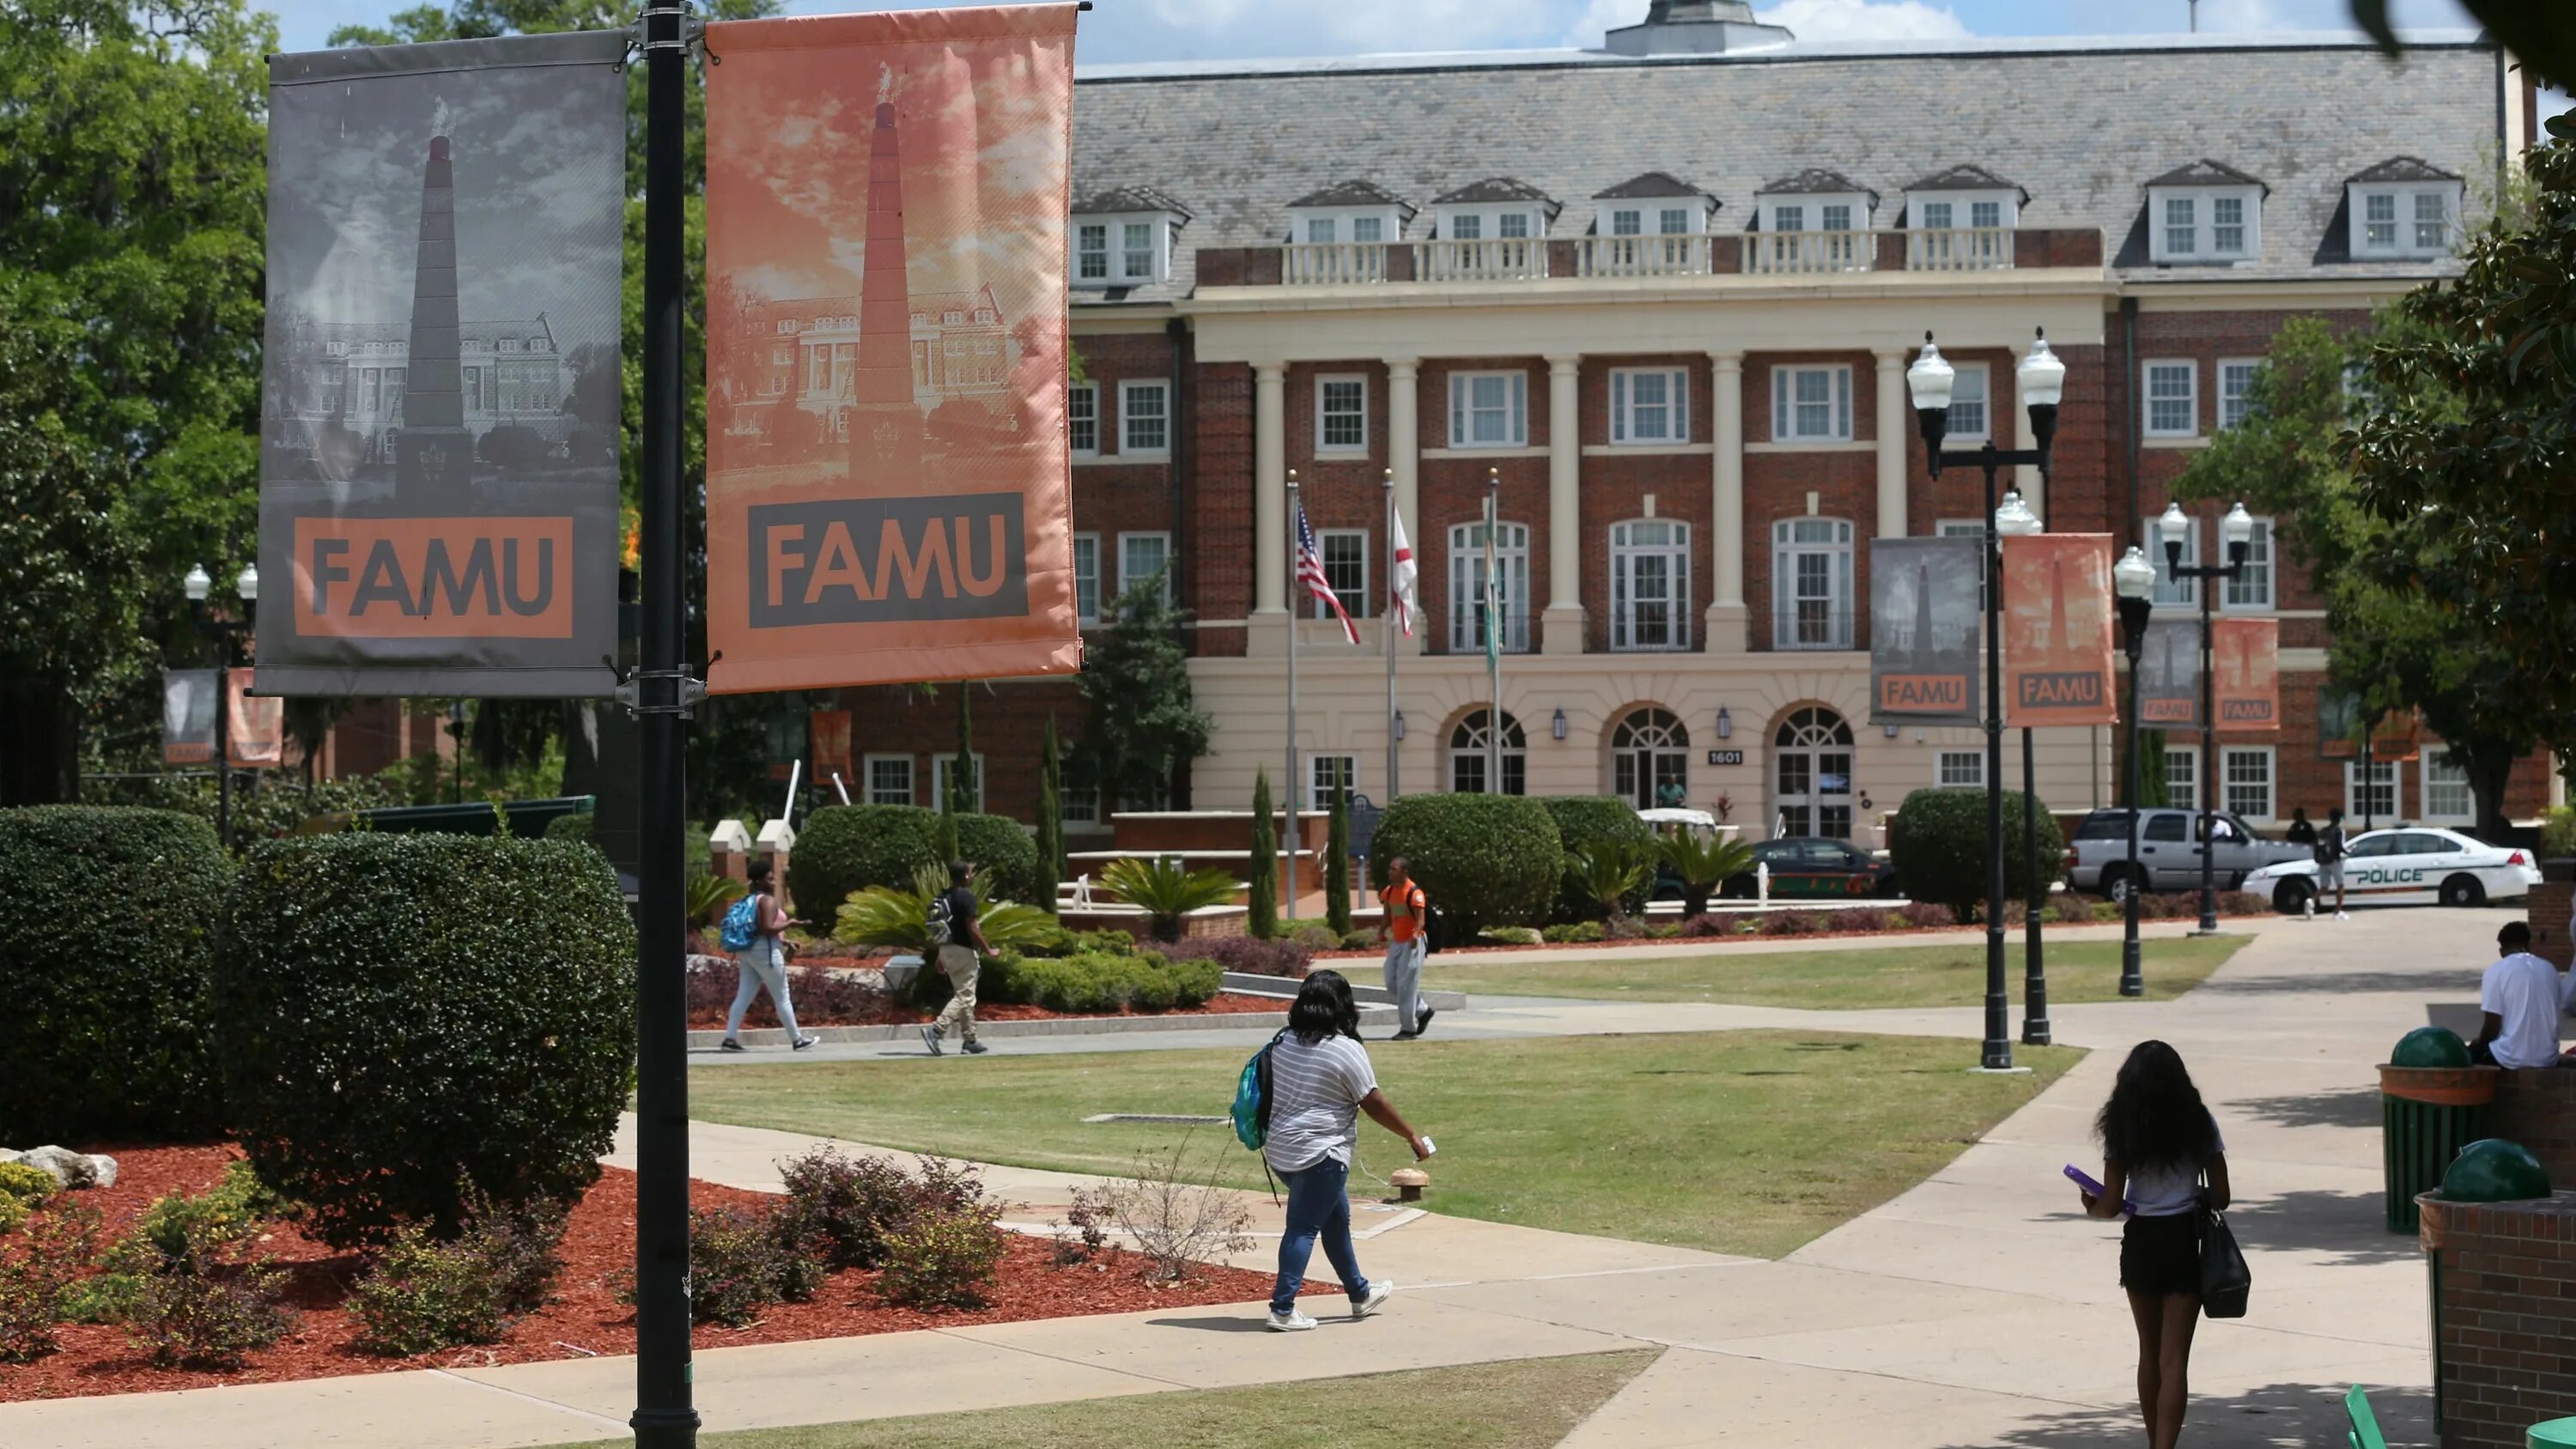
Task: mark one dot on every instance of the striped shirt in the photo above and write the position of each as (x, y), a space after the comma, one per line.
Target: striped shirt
(1315, 1094)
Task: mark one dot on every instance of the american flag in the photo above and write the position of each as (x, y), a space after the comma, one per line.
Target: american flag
(1310, 570)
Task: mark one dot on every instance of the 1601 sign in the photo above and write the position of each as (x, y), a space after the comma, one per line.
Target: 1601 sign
(1726, 757)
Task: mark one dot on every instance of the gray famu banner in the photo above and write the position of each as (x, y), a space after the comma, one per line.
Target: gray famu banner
(188, 716)
(1923, 615)
(2169, 678)
(439, 408)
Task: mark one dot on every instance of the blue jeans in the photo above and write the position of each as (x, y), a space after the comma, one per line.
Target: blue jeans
(1318, 1202)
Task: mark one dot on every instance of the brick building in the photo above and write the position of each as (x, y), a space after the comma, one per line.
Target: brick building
(1665, 293)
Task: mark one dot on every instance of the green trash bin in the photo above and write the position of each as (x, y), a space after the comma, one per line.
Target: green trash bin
(2556, 1434)
(2432, 1103)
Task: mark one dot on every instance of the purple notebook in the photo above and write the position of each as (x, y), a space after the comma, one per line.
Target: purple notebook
(2084, 1180)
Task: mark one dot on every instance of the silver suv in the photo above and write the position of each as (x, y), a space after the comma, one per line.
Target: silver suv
(2168, 852)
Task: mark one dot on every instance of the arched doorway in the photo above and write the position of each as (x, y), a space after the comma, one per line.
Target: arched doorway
(1650, 759)
(1811, 770)
(1468, 749)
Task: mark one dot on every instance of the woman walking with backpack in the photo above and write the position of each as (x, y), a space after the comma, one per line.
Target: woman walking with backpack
(752, 931)
(1320, 1081)
(2158, 1143)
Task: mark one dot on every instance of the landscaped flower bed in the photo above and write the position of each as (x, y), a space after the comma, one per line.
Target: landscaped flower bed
(825, 999)
(585, 1317)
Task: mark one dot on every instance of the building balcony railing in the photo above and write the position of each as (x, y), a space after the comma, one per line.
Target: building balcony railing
(1511, 260)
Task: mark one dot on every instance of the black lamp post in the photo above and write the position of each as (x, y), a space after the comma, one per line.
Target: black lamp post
(2042, 380)
(223, 631)
(2134, 580)
(2237, 528)
(2013, 519)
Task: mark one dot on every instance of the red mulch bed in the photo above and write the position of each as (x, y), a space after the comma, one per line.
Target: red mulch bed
(586, 1319)
(880, 1012)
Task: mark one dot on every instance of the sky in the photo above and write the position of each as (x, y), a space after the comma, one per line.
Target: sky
(1149, 30)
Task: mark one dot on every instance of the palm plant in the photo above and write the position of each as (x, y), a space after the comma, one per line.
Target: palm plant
(1166, 890)
(1704, 863)
(1607, 871)
(710, 893)
(884, 916)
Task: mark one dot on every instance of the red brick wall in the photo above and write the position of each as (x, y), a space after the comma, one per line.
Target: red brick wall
(1615, 488)
(1220, 506)
(1453, 489)
(1776, 485)
(2505, 1351)
(1341, 490)
(1009, 722)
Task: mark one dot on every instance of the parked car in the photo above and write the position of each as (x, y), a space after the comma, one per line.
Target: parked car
(2412, 865)
(2168, 852)
(1815, 866)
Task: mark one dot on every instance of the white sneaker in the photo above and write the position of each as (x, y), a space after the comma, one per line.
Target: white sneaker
(1378, 1293)
(2340, 916)
(2308, 909)
(1293, 1321)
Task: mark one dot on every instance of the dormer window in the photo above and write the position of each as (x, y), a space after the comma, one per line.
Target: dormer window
(2207, 212)
(1123, 238)
(1497, 209)
(1353, 213)
(1655, 204)
(2403, 209)
(1963, 198)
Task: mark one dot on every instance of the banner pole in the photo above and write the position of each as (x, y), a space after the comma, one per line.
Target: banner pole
(1296, 538)
(665, 1417)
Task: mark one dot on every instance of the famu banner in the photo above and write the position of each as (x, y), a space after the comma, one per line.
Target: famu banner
(439, 411)
(2057, 630)
(2247, 656)
(887, 465)
(2169, 681)
(257, 724)
(1923, 602)
(188, 716)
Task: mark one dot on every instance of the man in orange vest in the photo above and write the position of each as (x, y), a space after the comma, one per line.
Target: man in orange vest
(1406, 913)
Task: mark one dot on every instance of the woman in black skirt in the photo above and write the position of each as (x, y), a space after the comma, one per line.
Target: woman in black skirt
(2158, 1143)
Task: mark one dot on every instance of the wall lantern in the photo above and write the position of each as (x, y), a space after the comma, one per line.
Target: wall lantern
(1556, 726)
(1725, 724)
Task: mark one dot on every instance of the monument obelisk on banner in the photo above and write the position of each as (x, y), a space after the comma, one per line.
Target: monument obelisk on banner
(434, 454)
(885, 419)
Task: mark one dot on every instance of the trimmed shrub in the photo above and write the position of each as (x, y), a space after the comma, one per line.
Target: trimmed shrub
(1583, 821)
(38, 1279)
(1574, 932)
(107, 928)
(1242, 953)
(583, 827)
(23, 1184)
(1921, 915)
(944, 1257)
(1363, 940)
(2558, 832)
(405, 1016)
(847, 848)
(844, 1206)
(1316, 937)
(1860, 919)
(1791, 923)
(1104, 983)
(1005, 854)
(424, 1295)
(1484, 860)
(1510, 936)
(211, 1309)
(1937, 842)
(739, 1263)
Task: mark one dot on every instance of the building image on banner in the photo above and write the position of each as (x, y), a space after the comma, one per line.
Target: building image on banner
(188, 716)
(1923, 622)
(2246, 654)
(440, 398)
(2057, 630)
(887, 465)
(2169, 676)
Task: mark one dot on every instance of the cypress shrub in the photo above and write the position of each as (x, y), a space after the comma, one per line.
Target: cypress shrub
(107, 926)
(1050, 841)
(1262, 870)
(1337, 861)
(1937, 843)
(1484, 860)
(406, 1020)
(847, 848)
(1583, 821)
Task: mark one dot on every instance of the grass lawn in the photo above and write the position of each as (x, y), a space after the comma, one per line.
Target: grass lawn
(1530, 1404)
(1945, 975)
(1737, 1142)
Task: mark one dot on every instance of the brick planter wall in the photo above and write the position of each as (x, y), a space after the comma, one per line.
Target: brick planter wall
(2552, 911)
(2538, 1110)
(2504, 1310)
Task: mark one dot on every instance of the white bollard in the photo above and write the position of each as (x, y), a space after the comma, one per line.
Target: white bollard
(1762, 883)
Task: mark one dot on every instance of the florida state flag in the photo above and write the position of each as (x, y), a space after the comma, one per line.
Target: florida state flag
(2247, 655)
(2057, 630)
(887, 468)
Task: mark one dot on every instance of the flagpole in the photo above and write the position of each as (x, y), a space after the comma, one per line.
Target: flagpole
(1394, 582)
(1493, 638)
(1296, 534)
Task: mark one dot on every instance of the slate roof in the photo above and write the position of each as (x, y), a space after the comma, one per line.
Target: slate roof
(2082, 124)
(1130, 198)
(2402, 168)
(1650, 186)
(1494, 188)
(1357, 193)
(1815, 181)
(2205, 172)
(1964, 177)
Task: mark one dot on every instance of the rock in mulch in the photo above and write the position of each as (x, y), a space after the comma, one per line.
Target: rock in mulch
(69, 1168)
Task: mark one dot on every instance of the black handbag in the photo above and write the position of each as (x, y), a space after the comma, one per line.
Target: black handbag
(2225, 1281)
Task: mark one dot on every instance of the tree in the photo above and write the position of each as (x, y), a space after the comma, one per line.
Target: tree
(2540, 33)
(1337, 860)
(1050, 818)
(1263, 869)
(1143, 724)
(2152, 790)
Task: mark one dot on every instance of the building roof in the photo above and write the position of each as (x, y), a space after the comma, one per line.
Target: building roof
(2402, 168)
(1964, 177)
(1494, 188)
(1356, 193)
(2205, 172)
(1815, 181)
(1649, 186)
(1131, 197)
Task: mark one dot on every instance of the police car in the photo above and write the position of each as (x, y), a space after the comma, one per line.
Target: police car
(2410, 865)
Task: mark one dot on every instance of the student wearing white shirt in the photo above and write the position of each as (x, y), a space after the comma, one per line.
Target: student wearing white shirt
(2522, 997)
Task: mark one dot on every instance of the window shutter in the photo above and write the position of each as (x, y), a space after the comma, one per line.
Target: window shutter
(1842, 403)
(1779, 404)
(1457, 411)
(1783, 567)
(1680, 392)
(1520, 409)
(1618, 407)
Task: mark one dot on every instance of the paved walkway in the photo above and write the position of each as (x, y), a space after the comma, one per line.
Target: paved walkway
(1977, 1309)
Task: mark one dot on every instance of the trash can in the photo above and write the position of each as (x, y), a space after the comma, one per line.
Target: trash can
(2556, 1434)
(2484, 1172)
(2432, 1103)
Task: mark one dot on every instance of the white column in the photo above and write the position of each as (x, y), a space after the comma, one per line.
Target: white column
(1404, 457)
(1562, 627)
(1726, 612)
(1891, 444)
(1269, 498)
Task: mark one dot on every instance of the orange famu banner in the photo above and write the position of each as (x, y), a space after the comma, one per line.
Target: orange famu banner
(258, 723)
(888, 476)
(2247, 656)
(2057, 630)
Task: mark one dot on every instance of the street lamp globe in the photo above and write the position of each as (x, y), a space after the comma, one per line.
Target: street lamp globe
(197, 583)
(1930, 379)
(2041, 376)
(2176, 527)
(2013, 518)
(2238, 529)
(247, 585)
(2133, 577)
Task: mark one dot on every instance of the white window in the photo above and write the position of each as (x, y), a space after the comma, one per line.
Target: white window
(1986, 215)
(1341, 414)
(1367, 230)
(2379, 221)
(1488, 410)
(2432, 221)
(1144, 418)
(1467, 226)
(2251, 590)
(1321, 230)
(1346, 560)
(945, 765)
(1676, 221)
(1325, 773)
(1086, 577)
(2247, 770)
(2374, 797)
(1956, 768)
(1137, 249)
(1836, 217)
(2182, 777)
(1121, 251)
(1077, 798)
(1091, 257)
(1650, 585)
(1467, 586)
(1143, 556)
(1469, 745)
(889, 779)
(2182, 226)
(1627, 222)
(1789, 218)
(1811, 405)
(1959, 528)
(1968, 403)
(1512, 225)
(2236, 389)
(1082, 418)
(1811, 584)
(2173, 400)
(2227, 226)
(1936, 216)
(2171, 591)
(2195, 223)
(2447, 795)
(2403, 221)
(1649, 405)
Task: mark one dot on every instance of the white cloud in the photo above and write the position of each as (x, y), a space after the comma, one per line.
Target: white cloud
(1866, 20)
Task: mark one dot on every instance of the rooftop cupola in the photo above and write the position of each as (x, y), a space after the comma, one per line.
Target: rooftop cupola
(1697, 27)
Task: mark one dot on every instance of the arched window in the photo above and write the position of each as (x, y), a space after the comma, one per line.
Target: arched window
(1811, 584)
(1468, 747)
(1650, 760)
(1467, 586)
(1811, 773)
(1650, 585)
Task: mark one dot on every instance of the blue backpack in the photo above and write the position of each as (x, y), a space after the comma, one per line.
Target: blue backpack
(740, 923)
(1252, 1099)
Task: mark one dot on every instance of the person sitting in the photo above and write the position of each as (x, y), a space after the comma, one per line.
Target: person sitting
(2522, 998)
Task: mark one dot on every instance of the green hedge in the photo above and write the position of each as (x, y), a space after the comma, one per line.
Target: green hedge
(583, 827)
(1586, 820)
(107, 928)
(1937, 843)
(1085, 981)
(1484, 860)
(846, 848)
(402, 1018)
